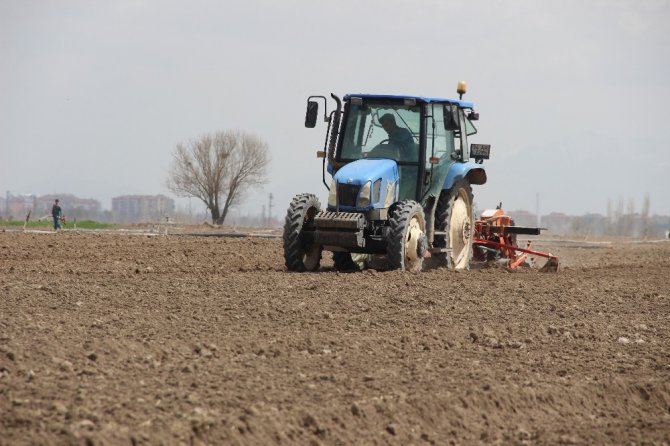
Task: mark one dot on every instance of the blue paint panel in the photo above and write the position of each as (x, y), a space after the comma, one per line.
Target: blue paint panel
(463, 104)
(460, 170)
(360, 171)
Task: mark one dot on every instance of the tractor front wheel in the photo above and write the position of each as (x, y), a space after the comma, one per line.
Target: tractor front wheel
(407, 245)
(299, 255)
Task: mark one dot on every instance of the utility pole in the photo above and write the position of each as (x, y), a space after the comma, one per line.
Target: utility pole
(270, 197)
(537, 208)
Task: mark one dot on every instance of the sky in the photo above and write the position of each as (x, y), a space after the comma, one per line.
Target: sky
(573, 95)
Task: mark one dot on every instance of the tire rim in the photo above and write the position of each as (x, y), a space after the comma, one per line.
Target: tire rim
(460, 231)
(414, 233)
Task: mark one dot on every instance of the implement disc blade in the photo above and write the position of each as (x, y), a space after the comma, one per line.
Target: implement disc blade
(551, 266)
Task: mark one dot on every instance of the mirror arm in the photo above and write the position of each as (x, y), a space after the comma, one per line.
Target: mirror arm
(325, 106)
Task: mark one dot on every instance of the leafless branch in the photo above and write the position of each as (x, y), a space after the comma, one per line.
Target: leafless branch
(219, 168)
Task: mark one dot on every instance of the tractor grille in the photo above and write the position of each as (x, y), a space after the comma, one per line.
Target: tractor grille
(347, 194)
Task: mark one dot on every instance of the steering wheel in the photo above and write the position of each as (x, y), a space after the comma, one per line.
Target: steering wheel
(384, 150)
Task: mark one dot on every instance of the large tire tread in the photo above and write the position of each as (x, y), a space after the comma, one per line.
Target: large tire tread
(297, 215)
(401, 216)
(443, 216)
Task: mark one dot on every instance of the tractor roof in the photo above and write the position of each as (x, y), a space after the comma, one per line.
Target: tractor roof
(463, 104)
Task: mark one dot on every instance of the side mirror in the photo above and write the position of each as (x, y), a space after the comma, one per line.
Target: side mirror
(473, 116)
(312, 114)
(451, 117)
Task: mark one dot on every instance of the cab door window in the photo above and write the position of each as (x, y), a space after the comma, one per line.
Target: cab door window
(439, 142)
(463, 135)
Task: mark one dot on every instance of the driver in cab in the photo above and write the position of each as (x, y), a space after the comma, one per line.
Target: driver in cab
(399, 137)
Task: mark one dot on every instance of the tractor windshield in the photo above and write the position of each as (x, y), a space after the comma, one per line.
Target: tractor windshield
(382, 130)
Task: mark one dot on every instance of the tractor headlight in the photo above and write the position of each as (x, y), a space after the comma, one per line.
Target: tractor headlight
(364, 196)
(390, 194)
(375, 190)
(332, 195)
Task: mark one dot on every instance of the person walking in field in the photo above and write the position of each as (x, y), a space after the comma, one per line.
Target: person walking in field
(56, 213)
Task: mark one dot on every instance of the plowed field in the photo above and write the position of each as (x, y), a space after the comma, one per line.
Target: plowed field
(144, 339)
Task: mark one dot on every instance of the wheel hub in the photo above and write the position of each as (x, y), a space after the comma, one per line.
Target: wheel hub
(460, 232)
(466, 230)
(415, 244)
(422, 246)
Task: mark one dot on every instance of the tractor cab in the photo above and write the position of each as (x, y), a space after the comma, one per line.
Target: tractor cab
(412, 131)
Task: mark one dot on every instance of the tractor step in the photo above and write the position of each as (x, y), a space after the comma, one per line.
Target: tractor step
(353, 221)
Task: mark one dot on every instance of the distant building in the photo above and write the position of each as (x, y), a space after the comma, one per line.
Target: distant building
(16, 207)
(73, 207)
(141, 208)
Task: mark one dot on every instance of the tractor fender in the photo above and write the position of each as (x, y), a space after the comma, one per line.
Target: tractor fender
(473, 172)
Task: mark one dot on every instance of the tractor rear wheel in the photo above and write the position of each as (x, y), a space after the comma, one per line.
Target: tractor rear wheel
(407, 243)
(344, 262)
(298, 255)
(454, 216)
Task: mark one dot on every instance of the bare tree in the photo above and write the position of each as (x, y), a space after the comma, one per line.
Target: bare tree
(218, 169)
(609, 225)
(647, 229)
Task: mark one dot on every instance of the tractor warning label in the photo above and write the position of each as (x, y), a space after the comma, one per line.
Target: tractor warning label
(480, 151)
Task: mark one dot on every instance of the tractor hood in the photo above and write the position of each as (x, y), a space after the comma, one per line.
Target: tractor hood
(363, 170)
(353, 191)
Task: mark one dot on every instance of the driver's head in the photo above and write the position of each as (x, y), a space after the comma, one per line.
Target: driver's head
(388, 122)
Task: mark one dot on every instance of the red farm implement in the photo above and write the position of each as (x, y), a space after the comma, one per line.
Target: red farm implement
(495, 239)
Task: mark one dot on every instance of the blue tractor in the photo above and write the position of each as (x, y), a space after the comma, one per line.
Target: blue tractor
(402, 171)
